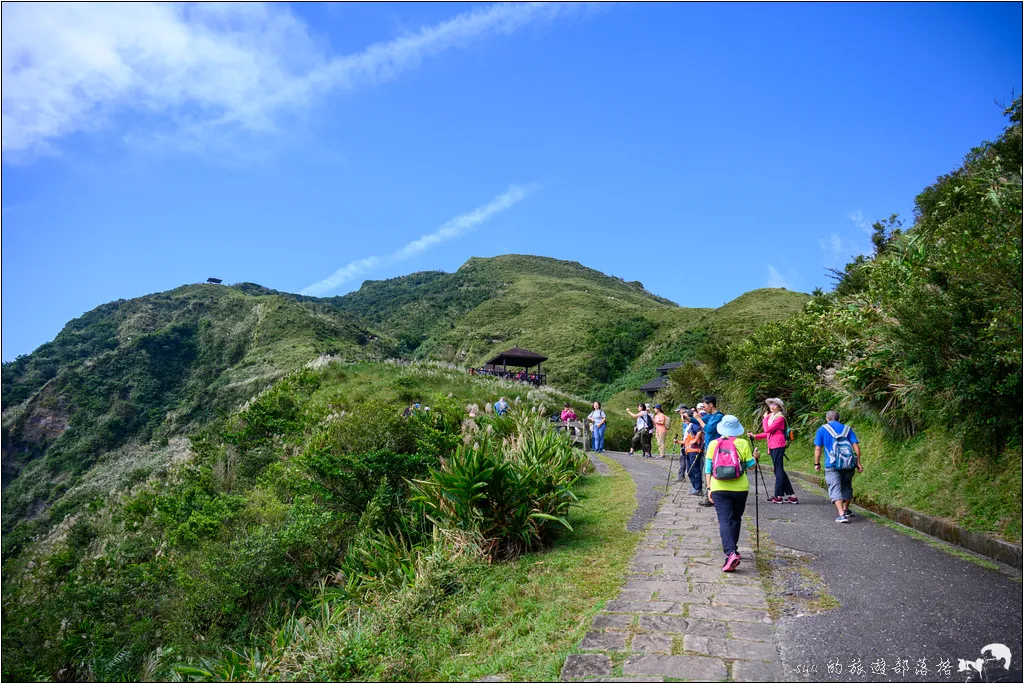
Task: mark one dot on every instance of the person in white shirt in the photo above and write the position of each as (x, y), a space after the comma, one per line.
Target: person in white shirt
(598, 422)
(642, 431)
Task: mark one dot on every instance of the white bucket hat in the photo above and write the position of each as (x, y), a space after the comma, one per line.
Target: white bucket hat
(730, 426)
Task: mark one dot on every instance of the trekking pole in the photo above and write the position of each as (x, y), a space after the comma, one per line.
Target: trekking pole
(757, 495)
(763, 483)
(757, 517)
(668, 477)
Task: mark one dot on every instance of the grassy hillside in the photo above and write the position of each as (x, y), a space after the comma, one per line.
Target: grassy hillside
(112, 409)
(291, 527)
(121, 381)
(488, 305)
(129, 372)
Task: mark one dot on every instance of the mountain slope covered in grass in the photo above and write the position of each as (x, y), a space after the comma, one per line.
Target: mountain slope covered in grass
(134, 373)
(123, 380)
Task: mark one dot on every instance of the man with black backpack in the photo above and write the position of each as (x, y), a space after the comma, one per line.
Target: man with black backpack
(842, 460)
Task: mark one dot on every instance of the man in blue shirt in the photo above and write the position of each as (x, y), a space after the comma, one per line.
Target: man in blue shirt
(708, 422)
(501, 406)
(840, 482)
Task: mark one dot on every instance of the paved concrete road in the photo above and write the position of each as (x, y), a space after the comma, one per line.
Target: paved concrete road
(649, 475)
(902, 600)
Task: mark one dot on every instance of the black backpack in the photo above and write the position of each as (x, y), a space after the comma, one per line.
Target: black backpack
(650, 422)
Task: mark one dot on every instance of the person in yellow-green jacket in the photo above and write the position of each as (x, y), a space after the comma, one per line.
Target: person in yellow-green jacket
(725, 472)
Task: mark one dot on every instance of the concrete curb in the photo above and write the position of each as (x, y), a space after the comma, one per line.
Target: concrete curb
(996, 549)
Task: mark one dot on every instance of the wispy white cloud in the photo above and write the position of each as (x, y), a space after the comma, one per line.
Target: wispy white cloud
(460, 225)
(858, 220)
(833, 246)
(197, 72)
(775, 279)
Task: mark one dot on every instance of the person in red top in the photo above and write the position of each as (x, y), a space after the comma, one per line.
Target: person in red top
(774, 425)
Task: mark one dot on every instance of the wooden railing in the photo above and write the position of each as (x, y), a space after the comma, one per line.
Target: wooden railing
(577, 430)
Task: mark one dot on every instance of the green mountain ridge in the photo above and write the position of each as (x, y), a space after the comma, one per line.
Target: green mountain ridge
(140, 372)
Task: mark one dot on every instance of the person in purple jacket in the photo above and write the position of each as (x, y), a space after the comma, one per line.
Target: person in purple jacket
(773, 426)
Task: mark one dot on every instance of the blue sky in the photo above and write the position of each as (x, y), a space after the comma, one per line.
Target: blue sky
(311, 147)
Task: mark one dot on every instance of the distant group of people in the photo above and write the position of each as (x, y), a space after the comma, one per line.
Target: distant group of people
(534, 379)
(413, 409)
(715, 462)
(649, 425)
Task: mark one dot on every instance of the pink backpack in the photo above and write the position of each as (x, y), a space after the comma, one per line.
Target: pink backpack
(726, 463)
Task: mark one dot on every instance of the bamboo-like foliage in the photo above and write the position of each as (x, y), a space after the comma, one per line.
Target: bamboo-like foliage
(503, 497)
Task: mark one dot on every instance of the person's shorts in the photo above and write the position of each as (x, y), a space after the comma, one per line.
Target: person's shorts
(840, 484)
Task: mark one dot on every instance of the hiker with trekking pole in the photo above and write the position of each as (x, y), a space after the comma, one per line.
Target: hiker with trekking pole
(774, 430)
(725, 473)
(690, 456)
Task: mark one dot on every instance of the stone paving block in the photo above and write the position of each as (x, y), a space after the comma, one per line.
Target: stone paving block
(604, 641)
(654, 642)
(705, 573)
(680, 667)
(697, 644)
(740, 601)
(727, 589)
(682, 596)
(617, 606)
(610, 621)
(743, 649)
(753, 671)
(644, 566)
(586, 666)
(729, 613)
(681, 625)
(752, 631)
(634, 678)
(626, 594)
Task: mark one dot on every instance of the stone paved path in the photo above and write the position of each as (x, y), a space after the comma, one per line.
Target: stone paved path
(678, 615)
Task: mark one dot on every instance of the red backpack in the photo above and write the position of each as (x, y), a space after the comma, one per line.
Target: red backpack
(726, 463)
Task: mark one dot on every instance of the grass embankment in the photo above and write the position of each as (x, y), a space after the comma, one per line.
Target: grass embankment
(532, 612)
(930, 474)
(465, 620)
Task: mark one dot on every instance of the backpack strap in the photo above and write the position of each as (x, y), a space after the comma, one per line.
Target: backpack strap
(845, 432)
(829, 430)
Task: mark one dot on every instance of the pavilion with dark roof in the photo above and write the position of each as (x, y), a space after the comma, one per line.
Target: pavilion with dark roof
(661, 382)
(516, 357)
(654, 386)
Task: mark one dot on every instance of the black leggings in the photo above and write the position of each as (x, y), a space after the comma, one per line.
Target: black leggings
(783, 487)
(729, 507)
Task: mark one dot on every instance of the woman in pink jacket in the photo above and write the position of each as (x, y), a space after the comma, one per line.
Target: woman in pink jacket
(774, 425)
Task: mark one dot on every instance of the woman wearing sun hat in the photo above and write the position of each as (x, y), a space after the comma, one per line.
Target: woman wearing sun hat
(725, 457)
(773, 424)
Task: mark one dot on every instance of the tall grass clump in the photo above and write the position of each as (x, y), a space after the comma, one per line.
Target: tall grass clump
(503, 497)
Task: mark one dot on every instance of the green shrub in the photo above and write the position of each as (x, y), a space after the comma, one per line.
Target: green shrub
(503, 500)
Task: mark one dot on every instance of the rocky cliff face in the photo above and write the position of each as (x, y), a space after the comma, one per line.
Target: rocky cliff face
(26, 434)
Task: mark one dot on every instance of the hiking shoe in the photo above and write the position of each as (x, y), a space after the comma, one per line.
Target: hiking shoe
(793, 500)
(848, 513)
(842, 519)
(731, 563)
(705, 502)
(776, 499)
